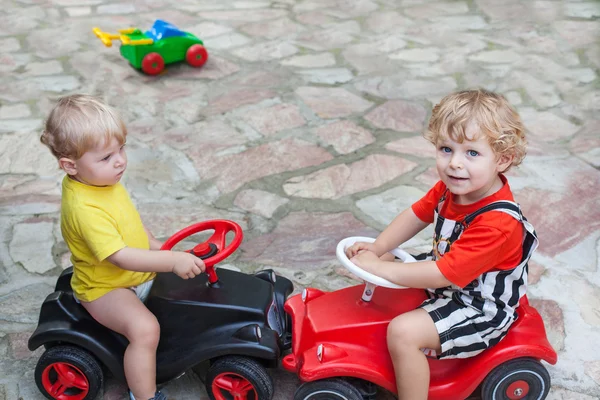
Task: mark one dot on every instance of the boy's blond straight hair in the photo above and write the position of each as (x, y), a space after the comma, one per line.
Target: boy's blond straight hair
(79, 123)
(490, 111)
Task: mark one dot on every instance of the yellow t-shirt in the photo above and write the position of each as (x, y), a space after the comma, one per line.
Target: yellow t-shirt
(95, 223)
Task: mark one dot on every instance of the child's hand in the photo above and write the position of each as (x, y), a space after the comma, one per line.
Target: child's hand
(186, 265)
(366, 260)
(359, 247)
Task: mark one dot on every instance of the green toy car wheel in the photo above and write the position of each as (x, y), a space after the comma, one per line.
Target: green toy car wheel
(153, 64)
(196, 55)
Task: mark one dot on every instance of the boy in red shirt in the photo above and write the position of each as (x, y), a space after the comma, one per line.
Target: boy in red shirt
(478, 266)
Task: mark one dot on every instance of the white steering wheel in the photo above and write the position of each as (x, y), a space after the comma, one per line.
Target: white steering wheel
(371, 280)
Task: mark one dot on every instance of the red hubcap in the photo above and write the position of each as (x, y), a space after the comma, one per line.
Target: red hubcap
(230, 386)
(517, 390)
(64, 381)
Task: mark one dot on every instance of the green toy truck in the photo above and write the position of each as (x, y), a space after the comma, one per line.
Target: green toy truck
(162, 44)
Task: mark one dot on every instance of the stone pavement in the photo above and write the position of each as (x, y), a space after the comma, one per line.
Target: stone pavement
(305, 127)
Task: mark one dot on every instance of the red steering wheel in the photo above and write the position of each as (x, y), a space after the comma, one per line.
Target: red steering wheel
(214, 249)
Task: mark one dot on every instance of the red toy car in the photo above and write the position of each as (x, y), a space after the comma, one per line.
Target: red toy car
(339, 346)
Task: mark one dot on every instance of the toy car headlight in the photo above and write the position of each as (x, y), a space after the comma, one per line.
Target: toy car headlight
(258, 332)
(304, 294)
(273, 277)
(320, 353)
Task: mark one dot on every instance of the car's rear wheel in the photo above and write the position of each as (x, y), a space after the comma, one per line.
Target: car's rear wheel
(68, 373)
(196, 55)
(238, 378)
(328, 389)
(523, 378)
(153, 64)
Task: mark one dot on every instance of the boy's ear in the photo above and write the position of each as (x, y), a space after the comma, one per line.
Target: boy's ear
(67, 165)
(504, 161)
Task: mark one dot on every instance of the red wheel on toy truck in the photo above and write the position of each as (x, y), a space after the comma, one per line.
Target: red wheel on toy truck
(196, 55)
(523, 378)
(238, 378)
(153, 64)
(68, 373)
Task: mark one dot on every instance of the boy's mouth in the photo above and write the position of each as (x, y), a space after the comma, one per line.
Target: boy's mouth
(457, 178)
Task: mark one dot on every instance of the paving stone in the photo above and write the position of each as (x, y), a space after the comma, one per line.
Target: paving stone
(341, 180)
(437, 10)
(386, 21)
(14, 111)
(314, 237)
(327, 76)
(335, 35)
(23, 306)
(367, 60)
(547, 125)
(416, 145)
(332, 102)
(553, 320)
(279, 28)
(9, 45)
(399, 87)
(266, 51)
(276, 118)
(314, 18)
(496, 56)
(417, 55)
(44, 68)
(586, 143)
(34, 255)
(235, 99)
(118, 8)
(208, 29)
(311, 60)
(259, 202)
(227, 41)
(582, 10)
(578, 33)
(232, 171)
(78, 11)
(249, 15)
(22, 153)
(398, 115)
(345, 136)
(572, 182)
(11, 62)
(535, 273)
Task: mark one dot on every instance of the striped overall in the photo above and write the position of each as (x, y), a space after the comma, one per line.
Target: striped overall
(473, 318)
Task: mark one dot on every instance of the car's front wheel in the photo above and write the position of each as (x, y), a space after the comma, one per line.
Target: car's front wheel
(196, 55)
(328, 389)
(238, 378)
(68, 373)
(523, 378)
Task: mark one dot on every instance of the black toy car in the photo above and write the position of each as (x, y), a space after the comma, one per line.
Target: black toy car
(235, 321)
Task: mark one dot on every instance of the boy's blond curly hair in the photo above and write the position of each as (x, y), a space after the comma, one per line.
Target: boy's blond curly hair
(79, 123)
(490, 111)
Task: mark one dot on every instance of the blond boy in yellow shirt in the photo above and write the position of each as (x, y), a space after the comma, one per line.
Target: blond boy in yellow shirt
(115, 258)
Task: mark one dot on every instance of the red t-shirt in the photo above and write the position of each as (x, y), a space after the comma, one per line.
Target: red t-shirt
(493, 241)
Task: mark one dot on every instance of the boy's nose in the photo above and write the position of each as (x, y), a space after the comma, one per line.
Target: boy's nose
(455, 161)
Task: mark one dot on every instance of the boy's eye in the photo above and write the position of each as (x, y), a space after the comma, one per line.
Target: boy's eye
(472, 153)
(106, 158)
(445, 149)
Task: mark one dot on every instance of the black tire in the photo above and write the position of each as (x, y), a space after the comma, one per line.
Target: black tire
(242, 371)
(328, 389)
(76, 363)
(525, 374)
